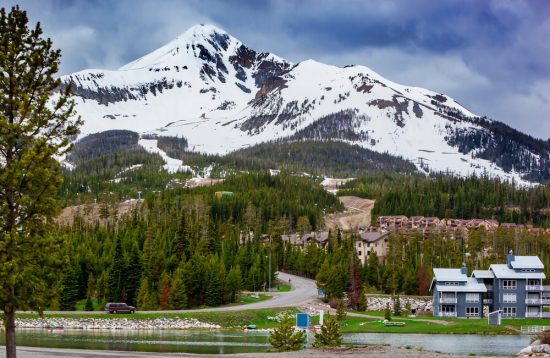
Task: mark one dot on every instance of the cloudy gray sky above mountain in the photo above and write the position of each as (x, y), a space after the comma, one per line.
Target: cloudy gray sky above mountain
(492, 55)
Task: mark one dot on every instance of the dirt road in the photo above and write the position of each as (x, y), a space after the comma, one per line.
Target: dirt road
(357, 213)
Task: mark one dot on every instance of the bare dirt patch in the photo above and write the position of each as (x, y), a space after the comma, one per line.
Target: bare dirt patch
(97, 212)
(357, 213)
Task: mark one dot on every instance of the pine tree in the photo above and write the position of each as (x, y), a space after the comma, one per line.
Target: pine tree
(164, 293)
(396, 306)
(233, 283)
(284, 338)
(341, 310)
(330, 335)
(362, 305)
(387, 312)
(213, 291)
(117, 276)
(89, 305)
(178, 294)
(69, 292)
(34, 129)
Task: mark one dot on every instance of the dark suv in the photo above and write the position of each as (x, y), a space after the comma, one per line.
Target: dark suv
(119, 308)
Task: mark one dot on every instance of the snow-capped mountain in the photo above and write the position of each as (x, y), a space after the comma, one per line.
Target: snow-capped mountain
(222, 95)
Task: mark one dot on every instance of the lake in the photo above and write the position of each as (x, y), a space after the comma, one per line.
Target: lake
(224, 342)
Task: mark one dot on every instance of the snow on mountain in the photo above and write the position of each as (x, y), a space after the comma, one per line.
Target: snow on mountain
(222, 96)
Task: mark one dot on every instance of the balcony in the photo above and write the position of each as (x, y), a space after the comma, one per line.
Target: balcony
(537, 288)
(537, 301)
(447, 314)
(448, 301)
(487, 301)
(537, 314)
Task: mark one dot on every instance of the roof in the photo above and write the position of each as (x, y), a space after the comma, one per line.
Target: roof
(483, 274)
(373, 236)
(472, 285)
(527, 262)
(503, 271)
(449, 274)
(322, 236)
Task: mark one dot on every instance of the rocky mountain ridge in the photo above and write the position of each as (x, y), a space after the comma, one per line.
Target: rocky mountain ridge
(222, 96)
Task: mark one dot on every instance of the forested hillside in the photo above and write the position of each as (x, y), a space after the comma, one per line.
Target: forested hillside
(189, 247)
(112, 164)
(453, 197)
(322, 158)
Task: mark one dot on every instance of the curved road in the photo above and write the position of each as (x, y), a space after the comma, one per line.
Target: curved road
(303, 290)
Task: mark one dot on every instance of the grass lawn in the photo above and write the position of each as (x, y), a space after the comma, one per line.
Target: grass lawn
(285, 287)
(245, 299)
(422, 324)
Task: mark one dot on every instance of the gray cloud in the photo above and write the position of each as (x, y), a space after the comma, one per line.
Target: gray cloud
(492, 56)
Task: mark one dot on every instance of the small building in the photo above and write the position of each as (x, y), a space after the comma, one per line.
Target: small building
(515, 288)
(222, 194)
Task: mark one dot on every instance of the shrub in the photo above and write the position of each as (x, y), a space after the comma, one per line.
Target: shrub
(284, 338)
(341, 311)
(330, 335)
(387, 312)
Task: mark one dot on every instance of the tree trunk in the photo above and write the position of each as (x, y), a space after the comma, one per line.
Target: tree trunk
(9, 324)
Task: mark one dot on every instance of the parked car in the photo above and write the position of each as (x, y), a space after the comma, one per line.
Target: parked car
(119, 308)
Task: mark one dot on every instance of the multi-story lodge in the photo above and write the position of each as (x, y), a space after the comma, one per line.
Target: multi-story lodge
(514, 288)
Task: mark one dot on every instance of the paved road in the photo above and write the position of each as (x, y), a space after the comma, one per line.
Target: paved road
(303, 290)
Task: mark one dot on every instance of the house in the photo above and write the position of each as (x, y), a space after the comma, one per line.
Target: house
(372, 243)
(321, 238)
(514, 288)
(455, 294)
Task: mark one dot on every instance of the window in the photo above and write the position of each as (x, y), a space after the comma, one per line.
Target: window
(527, 270)
(451, 283)
(533, 282)
(359, 253)
(448, 309)
(472, 297)
(509, 312)
(472, 311)
(509, 284)
(509, 298)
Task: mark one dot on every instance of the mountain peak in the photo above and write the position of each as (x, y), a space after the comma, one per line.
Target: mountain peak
(197, 34)
(202, 29)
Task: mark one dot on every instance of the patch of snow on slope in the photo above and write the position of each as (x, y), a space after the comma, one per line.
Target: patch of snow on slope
(172, 165)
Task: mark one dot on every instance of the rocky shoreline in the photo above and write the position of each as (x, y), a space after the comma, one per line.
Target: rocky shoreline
(119, 323)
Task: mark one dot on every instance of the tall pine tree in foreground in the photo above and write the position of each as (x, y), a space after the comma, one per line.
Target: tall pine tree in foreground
(33, 129)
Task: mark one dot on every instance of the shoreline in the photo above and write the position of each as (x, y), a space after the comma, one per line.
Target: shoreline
(369, 351)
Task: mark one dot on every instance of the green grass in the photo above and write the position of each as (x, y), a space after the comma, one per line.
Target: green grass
(80, 305)
(245, 299)
(423, 324)
(224, 319)
(285, 287)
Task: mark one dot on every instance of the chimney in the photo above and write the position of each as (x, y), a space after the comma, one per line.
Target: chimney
(464, 269)
(510, 258)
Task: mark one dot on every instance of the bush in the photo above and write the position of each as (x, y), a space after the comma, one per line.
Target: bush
(387, 312)
(362, 305)
(396, 306)
(330, 335)
(341, 311)
(284, 338)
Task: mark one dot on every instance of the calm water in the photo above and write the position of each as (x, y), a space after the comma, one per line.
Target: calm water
(206, 342)
(447, 343)
(220, 342)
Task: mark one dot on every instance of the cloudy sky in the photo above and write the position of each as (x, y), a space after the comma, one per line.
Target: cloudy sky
(492, 56)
